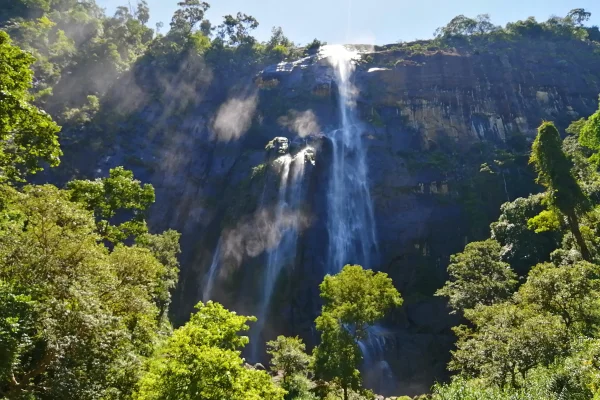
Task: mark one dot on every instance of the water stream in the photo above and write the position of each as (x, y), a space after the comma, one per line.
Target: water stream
(286, 222)
(350, 224)
(212, 273)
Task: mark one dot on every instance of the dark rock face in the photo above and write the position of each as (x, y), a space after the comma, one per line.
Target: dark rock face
(423, 117)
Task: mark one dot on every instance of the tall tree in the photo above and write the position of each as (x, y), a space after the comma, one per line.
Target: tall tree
(75, 320)
(28, 136)
(189, 14)
(237, 29)
(571, 292)
(201, 361)
(353, 300)
(554, 173)
(143, 12)
(288, 356)
(578, 16)
(522, 248)
(477, 276)
(115, 198)
(505, 341)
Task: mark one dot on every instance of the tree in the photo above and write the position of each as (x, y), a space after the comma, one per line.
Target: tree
(477, 276)
(201, 360)
(237, 29)
(206, 28)
(278, 38)
(143, 12)
(314, 46)
(122, 14)
(464, 26)
(505, 341)
(23, 8)
(554, 172)
(459, 25)
(589, 131)
(338, 356)
(75, 320)
(521, 247)
(114, 198)
(571, 292)
(28, 136)
(353, 299)
(189, 14)
(165, 247)
(578, 16)
(288, 356)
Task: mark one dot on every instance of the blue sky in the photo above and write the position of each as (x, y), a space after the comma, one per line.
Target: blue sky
(369, 22)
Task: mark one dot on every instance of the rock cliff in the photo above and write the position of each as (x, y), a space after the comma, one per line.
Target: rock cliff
(429, 119)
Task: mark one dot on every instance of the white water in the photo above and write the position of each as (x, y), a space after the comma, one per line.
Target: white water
(350, 224)
(287, 221)
(212, 273)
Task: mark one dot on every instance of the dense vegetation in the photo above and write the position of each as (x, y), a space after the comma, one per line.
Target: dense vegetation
(531, 293)
(85, 287)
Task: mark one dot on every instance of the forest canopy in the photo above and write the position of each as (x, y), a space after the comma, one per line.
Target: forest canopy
(86, 284)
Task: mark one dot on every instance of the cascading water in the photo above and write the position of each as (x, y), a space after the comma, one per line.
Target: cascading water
(286, 222)
(350, 224)
(212, 273)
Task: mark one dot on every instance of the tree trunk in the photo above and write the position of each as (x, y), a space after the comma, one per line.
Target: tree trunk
(345, 393)
(15, 388)
(574, 226)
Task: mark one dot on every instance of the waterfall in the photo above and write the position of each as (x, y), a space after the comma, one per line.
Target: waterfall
(212, 273)
(350, 224)
(286, 223)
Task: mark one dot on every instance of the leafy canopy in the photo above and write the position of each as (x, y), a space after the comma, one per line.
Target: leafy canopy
(288, 354)
(358, 297)
(75, 319)
(477, 276)
(116, 197)
(201, 360)
(353, 300)
(28, 136)
(554, 172)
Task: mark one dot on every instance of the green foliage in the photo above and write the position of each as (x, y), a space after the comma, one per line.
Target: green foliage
(554, 172)
(189, 14)
(338, 356)
(201, 360)
(236, 30)
(575, 377)
(545, 221)
(478, 277)
(465, 30)
(112, 198)
(353, 299)
(571, 292)
(28, 136)
(165, 248)
(288, 355)
(522, 247)
(463, 26)
(357, 297)
(542, 341)
(75, 320)
(505, 342)
(314, 46)
(589, 131)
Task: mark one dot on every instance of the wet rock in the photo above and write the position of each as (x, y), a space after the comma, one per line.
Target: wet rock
(278, 146)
